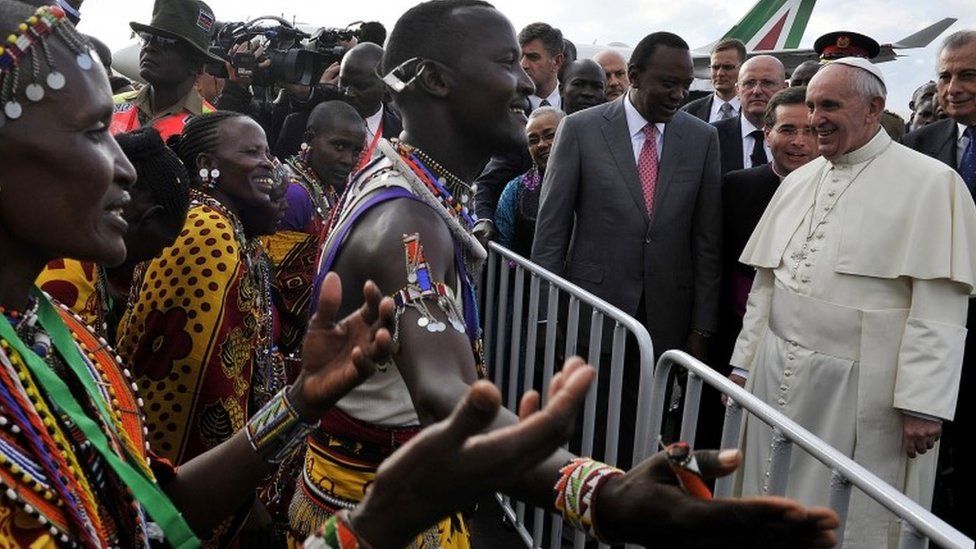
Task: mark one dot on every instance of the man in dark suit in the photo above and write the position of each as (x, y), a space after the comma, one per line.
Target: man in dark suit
(741, 138)
(631, 206)
(726, 58)
(953, 141)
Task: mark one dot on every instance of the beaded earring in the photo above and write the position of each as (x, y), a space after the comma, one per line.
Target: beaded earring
(304, 150)
(209, 177)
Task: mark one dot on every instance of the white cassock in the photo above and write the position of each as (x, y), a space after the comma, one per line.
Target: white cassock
(858, 313)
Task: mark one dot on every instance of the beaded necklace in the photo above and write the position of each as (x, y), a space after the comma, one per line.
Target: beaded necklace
(439, 182)
(324, 197)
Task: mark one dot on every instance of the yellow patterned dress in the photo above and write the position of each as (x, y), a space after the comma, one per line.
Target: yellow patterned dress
(198, 333)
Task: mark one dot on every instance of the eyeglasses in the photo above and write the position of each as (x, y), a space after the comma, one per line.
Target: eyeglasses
(767, 85)
(161, 41)
(728, 67)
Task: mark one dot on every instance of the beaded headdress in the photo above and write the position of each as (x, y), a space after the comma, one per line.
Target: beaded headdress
(30, 41)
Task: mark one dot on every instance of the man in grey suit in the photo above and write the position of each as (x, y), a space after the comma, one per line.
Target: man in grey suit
(631, 203)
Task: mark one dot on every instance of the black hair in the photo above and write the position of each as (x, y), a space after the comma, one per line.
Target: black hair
(551, 37)
(159, 169)
(200, 136)
(372, 31)
(569, 50)
(648, 45)
(327, 115)
(795, 95)
(426, 31)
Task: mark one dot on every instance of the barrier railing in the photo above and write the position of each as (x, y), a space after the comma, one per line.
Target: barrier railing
(918, 525)
(512, 317)
(512, 331)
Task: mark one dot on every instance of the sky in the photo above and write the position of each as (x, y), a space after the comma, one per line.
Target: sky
(699, 22)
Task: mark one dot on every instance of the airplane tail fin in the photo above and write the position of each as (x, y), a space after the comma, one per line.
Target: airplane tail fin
(773, 24)
(925, 36)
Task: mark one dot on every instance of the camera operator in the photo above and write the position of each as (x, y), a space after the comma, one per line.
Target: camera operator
(270, 105)
(174, 51)
(360, 87)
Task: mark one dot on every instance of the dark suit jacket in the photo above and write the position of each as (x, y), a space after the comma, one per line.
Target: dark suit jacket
(938, 140)
(730, 142)
(700, 108)
(745, 195)
(501, 169)
(293, 131)
(593, 227)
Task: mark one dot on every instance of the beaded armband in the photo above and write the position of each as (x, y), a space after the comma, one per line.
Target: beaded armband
(421, 292)
(335, 533)
(576, 490)
(276, 429)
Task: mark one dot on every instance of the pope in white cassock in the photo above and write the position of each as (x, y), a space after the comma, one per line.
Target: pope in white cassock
(855, 326)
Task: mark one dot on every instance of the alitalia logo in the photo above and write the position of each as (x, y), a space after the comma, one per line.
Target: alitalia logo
(773, 25)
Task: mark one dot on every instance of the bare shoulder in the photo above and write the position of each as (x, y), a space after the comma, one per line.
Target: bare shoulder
(374, 249)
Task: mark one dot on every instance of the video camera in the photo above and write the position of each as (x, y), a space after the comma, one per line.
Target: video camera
(296, 56)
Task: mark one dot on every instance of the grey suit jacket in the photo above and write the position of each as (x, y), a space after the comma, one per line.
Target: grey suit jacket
(593, 226)
(700, 108)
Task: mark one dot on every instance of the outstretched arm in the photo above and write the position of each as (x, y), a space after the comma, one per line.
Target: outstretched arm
(337, 356)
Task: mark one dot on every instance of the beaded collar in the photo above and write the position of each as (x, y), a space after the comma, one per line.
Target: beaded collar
(452, 193)
(324, 197)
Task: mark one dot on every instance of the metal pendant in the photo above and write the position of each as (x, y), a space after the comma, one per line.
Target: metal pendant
(55, 80)
(13, 110)
(34, 92)
(412, 278)
(422, 322)
(84, 61)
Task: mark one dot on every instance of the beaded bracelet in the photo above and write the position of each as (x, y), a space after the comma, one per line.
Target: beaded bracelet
(576, 490)
(335, 533)
(276, 429)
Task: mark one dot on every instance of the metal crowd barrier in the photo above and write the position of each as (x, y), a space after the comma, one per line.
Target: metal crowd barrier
(511, 338)
(917, 524)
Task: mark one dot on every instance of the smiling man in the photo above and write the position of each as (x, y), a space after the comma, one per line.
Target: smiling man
(856, 319)
(635, 184)
(741, 137)
(174, 51)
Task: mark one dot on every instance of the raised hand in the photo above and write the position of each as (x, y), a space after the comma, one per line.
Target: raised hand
(338, 356)
(647, 506)
(449, 464)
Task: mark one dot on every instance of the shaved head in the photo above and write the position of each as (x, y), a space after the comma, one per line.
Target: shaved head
(759, 79)
(615, 69)
(330, 115)
(365, 54)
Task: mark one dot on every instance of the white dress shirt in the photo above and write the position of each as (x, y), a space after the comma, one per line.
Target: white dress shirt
(635, 126)
(373, 124)
(554, 99)
(748, 142)
(717, 103)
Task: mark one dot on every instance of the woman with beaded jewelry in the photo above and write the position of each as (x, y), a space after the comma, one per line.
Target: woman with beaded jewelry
(73, 456)
(201, 326)
(75, 468)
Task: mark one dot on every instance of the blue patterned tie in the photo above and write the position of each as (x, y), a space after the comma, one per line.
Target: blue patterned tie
(967, 165)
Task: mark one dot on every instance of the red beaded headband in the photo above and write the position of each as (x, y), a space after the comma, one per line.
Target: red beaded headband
(46, 21)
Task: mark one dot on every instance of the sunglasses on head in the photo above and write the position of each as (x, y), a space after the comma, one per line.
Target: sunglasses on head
(161, 41)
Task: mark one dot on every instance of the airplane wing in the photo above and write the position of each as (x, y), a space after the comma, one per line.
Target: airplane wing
(925, 36)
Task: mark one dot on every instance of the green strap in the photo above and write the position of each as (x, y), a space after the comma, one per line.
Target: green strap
(145, 490)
